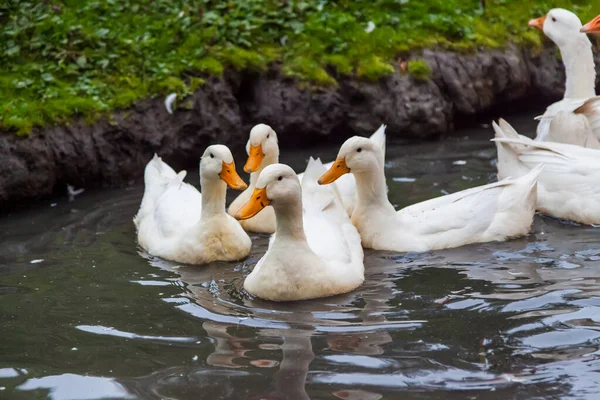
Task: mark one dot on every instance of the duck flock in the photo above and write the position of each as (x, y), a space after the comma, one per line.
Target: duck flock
(322, 218)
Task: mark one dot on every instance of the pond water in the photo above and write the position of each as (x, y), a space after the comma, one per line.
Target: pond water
(83, 315)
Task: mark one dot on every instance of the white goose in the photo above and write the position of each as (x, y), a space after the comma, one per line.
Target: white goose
(579, 110)
(493, 212)
(316, 250)
(568, 185)
(183, 225)
(263, 150)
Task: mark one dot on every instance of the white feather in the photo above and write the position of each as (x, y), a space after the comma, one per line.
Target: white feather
(169, 100)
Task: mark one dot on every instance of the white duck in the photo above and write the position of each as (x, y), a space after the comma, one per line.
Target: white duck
(579, 110)
(263, 150)
(186, 226)
(157, 175)
(316, 250)
(568, 185)
(493, 212)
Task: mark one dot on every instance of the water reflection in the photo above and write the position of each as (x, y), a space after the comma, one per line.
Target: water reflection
(76, 387)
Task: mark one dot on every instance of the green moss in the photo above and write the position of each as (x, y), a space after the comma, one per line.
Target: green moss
(305, 69)
(208, 65)
(196, 83)
(242, 59)
(341, 64)
(172, 84)
(419, 69)
(373, 68)
(61, 59)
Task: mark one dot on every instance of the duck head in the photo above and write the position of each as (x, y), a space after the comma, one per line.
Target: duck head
(278, 185)
(560, 25)
(357, 154)
(261, 144)
(217, 163)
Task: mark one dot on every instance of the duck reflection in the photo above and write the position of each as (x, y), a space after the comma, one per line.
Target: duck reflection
(228, 348)
(376, 294)
(250, 333)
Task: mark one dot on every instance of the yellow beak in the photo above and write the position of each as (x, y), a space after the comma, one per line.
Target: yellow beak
(257, 202)
(255, 158)
(231, 177)
(593, 26)
(338, 169)
(538, 23)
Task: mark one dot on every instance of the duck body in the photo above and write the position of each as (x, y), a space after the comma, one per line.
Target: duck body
(157, 176)
(189, 227)
(316, 250)
(568, 185)
(578, 113)
(493, 212)
(263, 150)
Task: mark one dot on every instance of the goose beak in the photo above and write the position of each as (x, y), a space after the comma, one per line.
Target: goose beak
(255, 158)
(231, 177)
(257, 202)
(593, 26)
(338, 169)
(538, 23)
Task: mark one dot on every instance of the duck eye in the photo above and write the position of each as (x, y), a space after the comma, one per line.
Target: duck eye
(280, 178)
(212, 155)
(359, 150)
(553, 19)
(268, 135)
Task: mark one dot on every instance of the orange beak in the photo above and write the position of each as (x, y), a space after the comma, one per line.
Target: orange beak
(255, 158)
(593, 26)
(257, 202)
(231, 177)
(338, 169)
(538, 23)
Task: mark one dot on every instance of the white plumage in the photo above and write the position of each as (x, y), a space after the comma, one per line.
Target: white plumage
(316, 250)
(568, 185)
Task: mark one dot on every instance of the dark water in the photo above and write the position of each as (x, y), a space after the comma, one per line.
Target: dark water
(84, 316)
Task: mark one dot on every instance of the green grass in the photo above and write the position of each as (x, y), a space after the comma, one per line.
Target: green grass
(60, 59)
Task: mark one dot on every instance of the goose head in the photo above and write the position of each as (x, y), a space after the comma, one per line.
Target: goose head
(277, 185)
(593, 26)
(357, 154)
(560, 25)
(217, 164)
(261, 144)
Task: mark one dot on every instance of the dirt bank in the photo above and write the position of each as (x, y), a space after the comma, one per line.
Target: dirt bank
(114, 150)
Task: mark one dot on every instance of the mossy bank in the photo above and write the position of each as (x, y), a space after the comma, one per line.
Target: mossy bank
(113, 150)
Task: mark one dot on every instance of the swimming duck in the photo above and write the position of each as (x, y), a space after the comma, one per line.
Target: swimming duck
(315, 251)
(263, 150)
(493, 212)
(568, 185)
(579, 110)
(187, 226)
(157, 176)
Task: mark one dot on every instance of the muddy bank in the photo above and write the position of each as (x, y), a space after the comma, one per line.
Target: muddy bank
(113, 151)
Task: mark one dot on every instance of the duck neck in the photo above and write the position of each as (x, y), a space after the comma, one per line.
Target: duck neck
(268, 160)
(213, 197)
(580, 69)
(289, 221)
(371, 189)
